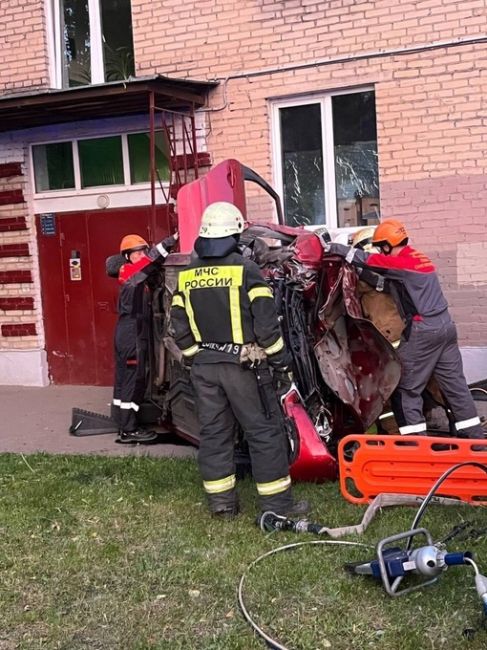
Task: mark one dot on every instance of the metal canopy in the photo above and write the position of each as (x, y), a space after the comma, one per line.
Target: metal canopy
(44, 107)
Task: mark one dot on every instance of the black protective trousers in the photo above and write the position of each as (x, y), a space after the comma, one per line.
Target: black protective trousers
(130, 379)
(432, 349)
(227, 392)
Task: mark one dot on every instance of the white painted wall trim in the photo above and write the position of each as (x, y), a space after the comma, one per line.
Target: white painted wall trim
(23, 368)
(101, 197)
(29, 367)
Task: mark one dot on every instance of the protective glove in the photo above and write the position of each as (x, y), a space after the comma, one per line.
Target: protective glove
(282, 380)
(188, 362)
(325, 244)
(324, 237)
(170, 242)
(113, 265)
(280, 360)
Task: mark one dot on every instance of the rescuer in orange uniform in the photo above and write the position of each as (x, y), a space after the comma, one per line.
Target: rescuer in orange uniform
(428, 344)
(132, 331)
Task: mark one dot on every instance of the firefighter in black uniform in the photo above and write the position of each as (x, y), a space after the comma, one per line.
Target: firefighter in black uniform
(428, 344)
(221, 309)
(132, 331)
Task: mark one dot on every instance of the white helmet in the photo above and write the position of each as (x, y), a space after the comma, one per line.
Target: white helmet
(221, 219)
(363, 239)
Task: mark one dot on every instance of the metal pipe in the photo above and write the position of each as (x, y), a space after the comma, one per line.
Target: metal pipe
(195, 145)
(374, 54)
(359, 56)
(184, 137)
(152, 147)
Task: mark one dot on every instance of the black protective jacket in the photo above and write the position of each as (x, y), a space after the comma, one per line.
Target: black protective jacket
(132, 278)
(413, 274)
(222, 302)
(132, 334)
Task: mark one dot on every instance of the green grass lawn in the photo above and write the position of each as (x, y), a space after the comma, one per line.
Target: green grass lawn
(121, 553)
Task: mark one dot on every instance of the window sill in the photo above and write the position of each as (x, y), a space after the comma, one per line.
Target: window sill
(339, 235)
(97, 198)
(99, 189)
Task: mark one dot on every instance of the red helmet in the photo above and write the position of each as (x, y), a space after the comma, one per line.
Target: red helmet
(390, 232)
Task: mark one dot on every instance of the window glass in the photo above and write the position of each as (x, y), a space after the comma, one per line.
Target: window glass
(356, 164)
(139, 154)
(53, 166)
(75, 35)
(302, 164)
(118, 50)
(101, 161)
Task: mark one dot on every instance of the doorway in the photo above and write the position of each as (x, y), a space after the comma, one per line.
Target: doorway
(79, 301)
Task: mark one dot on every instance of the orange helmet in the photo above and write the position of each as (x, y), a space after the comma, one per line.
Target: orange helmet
(390, 232)
(132, 243)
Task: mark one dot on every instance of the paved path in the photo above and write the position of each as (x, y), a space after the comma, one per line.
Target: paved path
(38, 419)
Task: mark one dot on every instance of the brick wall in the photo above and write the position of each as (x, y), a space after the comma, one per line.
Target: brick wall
(24, 60)
(432, 139)
(431, 105)
(19, 313)
(218, 37)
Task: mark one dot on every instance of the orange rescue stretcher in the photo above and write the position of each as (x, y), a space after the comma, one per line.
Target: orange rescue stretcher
(375, 464)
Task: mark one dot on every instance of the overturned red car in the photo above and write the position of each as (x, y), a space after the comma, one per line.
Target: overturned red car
(344, 369)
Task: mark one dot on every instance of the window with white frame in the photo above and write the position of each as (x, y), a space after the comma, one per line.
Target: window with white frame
(325, 158)
(98, 162)
(91, 41)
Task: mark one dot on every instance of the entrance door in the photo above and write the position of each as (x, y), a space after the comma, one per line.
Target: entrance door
(79, 300)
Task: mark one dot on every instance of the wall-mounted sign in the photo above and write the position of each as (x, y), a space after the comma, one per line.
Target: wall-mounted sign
(48, 224)
(75, 266)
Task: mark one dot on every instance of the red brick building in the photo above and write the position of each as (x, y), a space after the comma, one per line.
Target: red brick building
(354, 109)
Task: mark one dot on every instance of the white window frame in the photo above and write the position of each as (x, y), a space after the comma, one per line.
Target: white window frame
(329, 181)
(56, 45)
(125, 194)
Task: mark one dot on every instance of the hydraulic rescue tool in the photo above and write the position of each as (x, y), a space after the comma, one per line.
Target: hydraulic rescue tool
(396, 559)
(392, 563)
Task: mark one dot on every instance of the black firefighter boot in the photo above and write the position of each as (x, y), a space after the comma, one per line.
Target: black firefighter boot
(284, 505)
(141, 436)
(224, 506)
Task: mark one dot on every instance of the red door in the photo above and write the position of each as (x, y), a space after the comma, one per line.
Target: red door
(78, 299)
